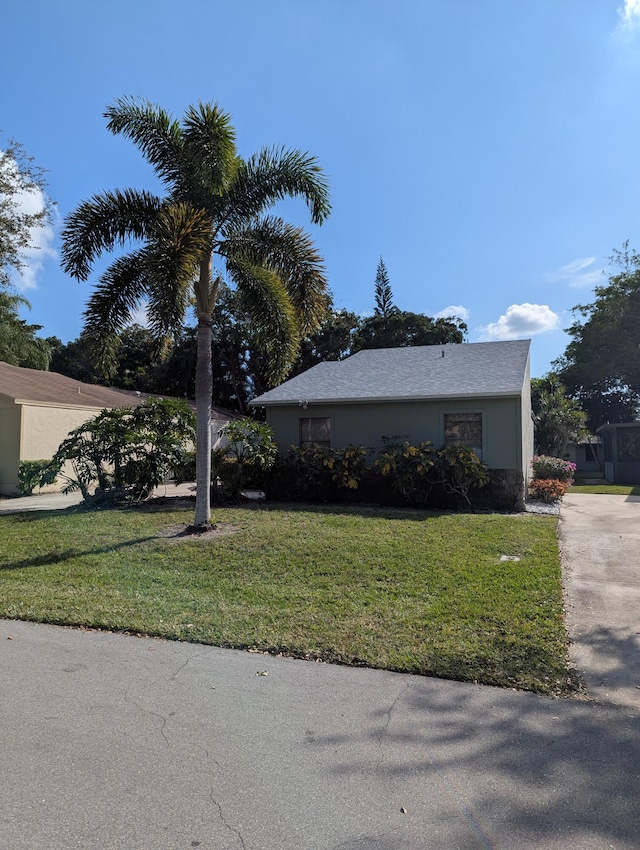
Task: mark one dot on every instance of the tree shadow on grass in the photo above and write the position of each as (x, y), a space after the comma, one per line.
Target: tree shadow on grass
(48, 559)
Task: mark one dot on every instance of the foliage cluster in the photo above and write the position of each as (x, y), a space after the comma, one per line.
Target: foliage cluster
(249, 453)
(601, 365)
(552, 477)
(545, 466)
(319, 473)
(19, 176)
(558, 419)
(35, 473)
(19, 345)
(548, 489)
(124, 453)
(401, 474)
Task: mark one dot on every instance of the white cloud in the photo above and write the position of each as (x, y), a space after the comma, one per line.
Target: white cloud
(577, 274)
(456, 310)
(521, 320)
(41, 242)
(630, 14)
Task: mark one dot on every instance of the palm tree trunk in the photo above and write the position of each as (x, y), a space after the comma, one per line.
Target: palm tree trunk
(204, 385)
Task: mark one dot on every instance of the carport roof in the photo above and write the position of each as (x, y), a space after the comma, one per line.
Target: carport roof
(33, 386)
(26, 386)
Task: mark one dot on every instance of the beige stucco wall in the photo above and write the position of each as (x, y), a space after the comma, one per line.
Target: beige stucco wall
(34, 432)
(44, 428)
(366, 424)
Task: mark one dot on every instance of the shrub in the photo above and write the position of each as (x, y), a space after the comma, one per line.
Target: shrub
(318, 473)
(406, 474)
(548, 489)
(460, 470)
(547, 467)
(347, 466)
(124, 452)
(408, 468)
(35, 473)
(250, 452)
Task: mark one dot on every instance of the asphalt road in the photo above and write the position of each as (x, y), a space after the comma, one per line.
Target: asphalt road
(110, 741)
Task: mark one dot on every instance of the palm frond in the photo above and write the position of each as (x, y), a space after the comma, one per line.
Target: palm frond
(116, 296)
(290, 253)
(264, 298)
(180, 242)
(211, 158)
(153, 131)
(102, 222)
(272, 175)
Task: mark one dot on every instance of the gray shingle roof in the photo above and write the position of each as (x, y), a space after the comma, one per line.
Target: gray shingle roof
(466, 370)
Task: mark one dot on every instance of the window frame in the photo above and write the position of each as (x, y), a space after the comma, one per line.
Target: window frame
(479, 450)
(307, 443)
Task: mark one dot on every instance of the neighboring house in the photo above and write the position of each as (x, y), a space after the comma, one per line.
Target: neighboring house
(39, 409)
(478, 394)
(621, 452)
(586, 454)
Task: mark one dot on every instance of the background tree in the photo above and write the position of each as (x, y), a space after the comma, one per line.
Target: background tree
(601, 365)
(19, 344)
(402, 329)
(215, 206)
(332, 341)
(558, 419)
(19, 178)
(384, 296)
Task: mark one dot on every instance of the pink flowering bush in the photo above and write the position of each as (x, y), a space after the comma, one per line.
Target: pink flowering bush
(555, 468)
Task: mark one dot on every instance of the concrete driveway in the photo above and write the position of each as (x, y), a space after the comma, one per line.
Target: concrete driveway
(60, 501)
(600, 548)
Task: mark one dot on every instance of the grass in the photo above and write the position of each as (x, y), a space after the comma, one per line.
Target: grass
(397, 589)
(605, 489)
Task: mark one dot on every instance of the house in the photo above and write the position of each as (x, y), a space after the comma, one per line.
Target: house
(586, 454)
(473, 393)
(39, 409)
(621, 452)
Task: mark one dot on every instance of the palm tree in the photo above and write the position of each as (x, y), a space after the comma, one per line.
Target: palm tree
(214, 211)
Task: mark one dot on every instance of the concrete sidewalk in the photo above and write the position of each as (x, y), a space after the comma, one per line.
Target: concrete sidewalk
(600, 549)
(111, 742)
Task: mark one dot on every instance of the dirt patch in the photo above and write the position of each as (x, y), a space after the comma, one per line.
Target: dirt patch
(183, 532)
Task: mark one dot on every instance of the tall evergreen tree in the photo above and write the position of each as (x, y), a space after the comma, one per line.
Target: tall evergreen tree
(384, 296)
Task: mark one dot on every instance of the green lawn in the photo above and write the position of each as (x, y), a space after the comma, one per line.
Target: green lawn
(397, 589)
(604, 488)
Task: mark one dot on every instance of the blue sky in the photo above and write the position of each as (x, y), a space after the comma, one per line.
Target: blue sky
(486, 149)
